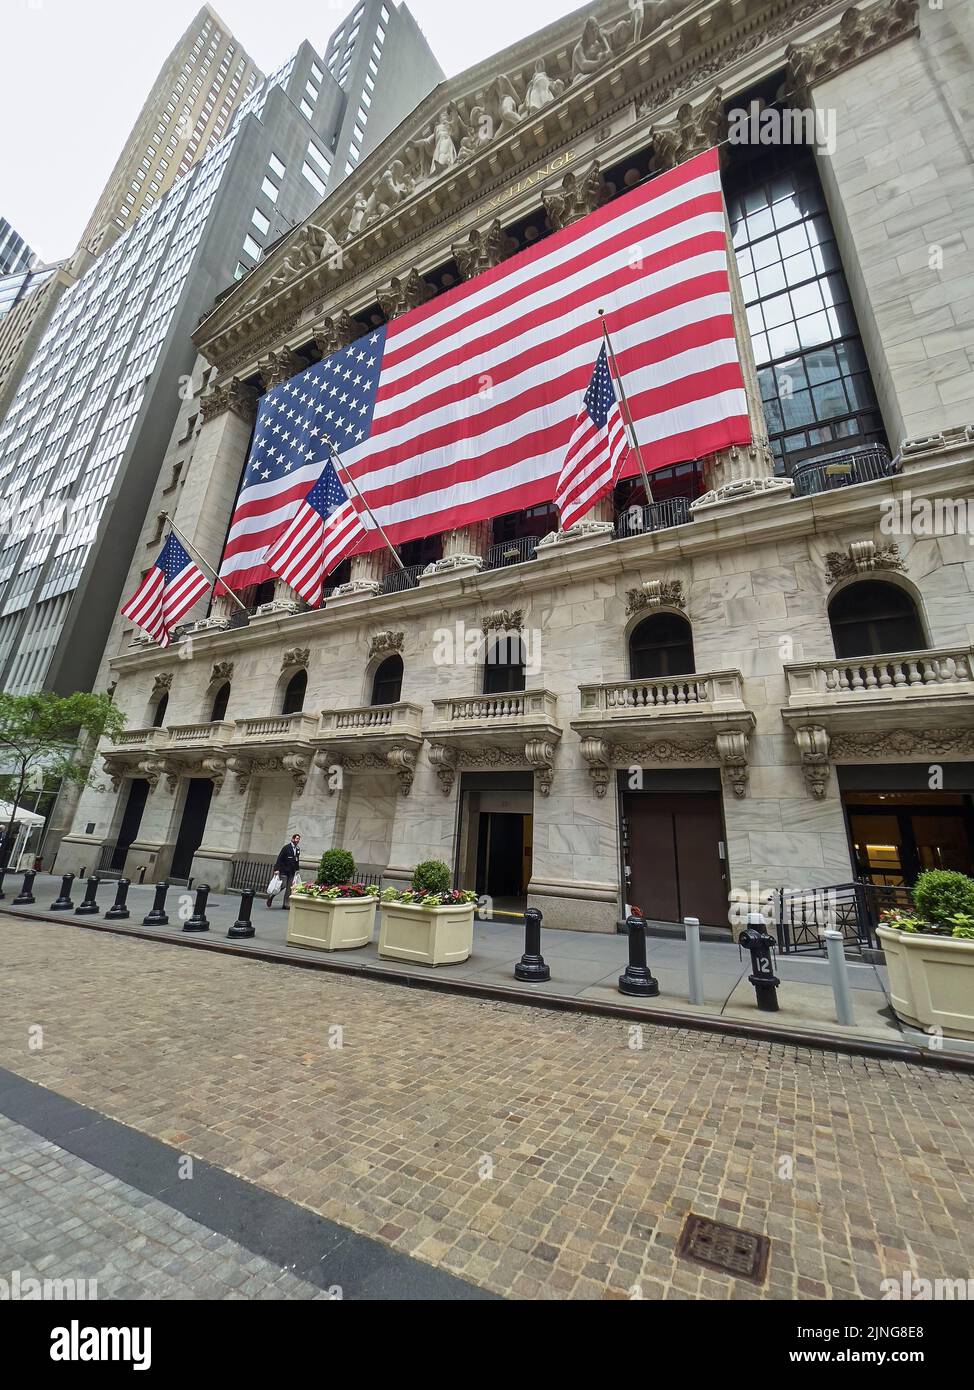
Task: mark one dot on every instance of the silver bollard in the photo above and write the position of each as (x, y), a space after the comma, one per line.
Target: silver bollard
(839, 970)
(694, 961)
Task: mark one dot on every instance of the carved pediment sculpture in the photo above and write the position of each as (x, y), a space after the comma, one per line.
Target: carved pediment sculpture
(403, 294)
(336, 333)
(575, 197)
(388, 190)
(483, 250)
(541, 90)
(592, 51)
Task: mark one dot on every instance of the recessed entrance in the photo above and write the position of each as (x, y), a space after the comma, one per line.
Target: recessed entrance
(495, 836)
(504, 855)
(131, 821)
(672, 843)
(192, 826)
(894, 835)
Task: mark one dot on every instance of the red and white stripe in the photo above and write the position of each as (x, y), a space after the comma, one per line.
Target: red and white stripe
(156, 607)
(592, 465)
(312, 546)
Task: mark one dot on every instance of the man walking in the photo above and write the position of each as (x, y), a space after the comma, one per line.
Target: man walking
(286, 865)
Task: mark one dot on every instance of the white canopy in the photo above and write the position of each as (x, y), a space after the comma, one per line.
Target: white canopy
(23, 816)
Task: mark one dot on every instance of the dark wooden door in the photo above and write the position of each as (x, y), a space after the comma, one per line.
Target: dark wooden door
(674, 856)
(131, 820)
(192, 826)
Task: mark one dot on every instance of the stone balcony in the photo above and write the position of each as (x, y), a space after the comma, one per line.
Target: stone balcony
(370, 738)
(514, 729)
(699, 718)
(893, 706)
(270, 743)
(190, 740)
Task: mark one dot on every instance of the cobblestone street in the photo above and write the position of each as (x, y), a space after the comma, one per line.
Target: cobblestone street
(535, 1154)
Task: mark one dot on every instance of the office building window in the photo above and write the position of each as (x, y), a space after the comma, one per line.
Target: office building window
(321, 160)
(307, 110)
(313, 179)
(269, 190)
(251, 248)
(276, 166)
(261, 222)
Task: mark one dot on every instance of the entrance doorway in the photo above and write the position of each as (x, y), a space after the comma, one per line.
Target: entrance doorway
(673, 843)
(199, 793)
(503, 854)
(131, 820)
(894, 836)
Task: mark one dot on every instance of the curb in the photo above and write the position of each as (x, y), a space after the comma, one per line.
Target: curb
(666, 1018)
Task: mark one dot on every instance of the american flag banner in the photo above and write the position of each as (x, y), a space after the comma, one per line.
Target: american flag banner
(597, 450)
(463, 409)
(325, 528)
(172, 586)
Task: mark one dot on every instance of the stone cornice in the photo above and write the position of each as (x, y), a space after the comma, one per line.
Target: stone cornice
(767, 520)
(682, 57)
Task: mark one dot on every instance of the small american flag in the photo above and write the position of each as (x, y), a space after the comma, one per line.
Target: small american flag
(597, 449)
(172, 586)
(326, 528)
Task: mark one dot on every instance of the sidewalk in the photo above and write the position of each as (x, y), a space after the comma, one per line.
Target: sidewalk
(585, 968)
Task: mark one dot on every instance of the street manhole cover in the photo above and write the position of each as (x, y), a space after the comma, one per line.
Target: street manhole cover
(718, 1246)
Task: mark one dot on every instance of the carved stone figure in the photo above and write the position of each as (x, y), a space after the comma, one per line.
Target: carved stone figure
(541, 90)
(592, 51)
(360, 207)
(390, 189)
(320, 245)
(444, 152)
(483, 250)
(503, 105)
(479, 133)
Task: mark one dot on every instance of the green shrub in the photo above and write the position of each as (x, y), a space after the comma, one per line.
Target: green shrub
(939, 894)
(337, 866)
(432, 876)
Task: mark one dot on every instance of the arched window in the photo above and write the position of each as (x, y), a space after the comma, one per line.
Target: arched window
(160, 711)
(294, 693)
(387, 682)
(871, 617)
(504, 666)
(220, 701)
(661, 646)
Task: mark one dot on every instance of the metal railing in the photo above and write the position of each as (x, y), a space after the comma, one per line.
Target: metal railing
(105, 856)
(253, 875)
(658, 516)
(863, 464)
(398, 579)
(513, 552)
(854, 909)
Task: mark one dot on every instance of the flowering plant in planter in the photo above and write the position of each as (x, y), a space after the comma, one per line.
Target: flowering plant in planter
(944, 901)
(451, 897)
(330, 892)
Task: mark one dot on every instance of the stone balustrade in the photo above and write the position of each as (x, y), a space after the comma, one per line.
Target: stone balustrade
(369, 719)
(506, 707)
(908, 674)
(140, 738)
(186, 735)
(714, 689)
(280, 728)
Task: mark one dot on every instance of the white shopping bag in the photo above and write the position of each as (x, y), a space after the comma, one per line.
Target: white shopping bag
(275, 885)
(297, 881)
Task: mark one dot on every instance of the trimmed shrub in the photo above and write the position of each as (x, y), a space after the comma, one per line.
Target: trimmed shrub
(337, 866)
(432, 876)
(939, 894)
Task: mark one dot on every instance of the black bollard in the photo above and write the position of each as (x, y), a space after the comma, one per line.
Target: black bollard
(755, 939)
(63, 901)
(90, 904)
(158, 917)
(26, 894)
(3, 875)
(532, 965)
(243, 926)
(199, 920)
(118, 912)
(637, 977)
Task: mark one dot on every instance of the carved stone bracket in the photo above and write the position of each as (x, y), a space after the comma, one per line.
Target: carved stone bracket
(575, 197)
(232, 395)
(401, 295)
(503, 620)
(385, 643)
(298, 765)
(540, 753)
(732, 752)
(222, 671)
(278, 367)
(861, 557)
(216, 770)
(693, 130)
(444, 760)
(403, 763)
(655, 594)
(598, 754)
(336, 333)
(162, 683)
(295, 656)
(859, 34)
(483, 250)
(241, 768)
(814, 747)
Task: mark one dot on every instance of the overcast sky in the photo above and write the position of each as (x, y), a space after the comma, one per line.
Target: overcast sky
(76, 73)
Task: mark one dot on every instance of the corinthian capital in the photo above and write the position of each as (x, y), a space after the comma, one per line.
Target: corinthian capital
(694, 129)
(483, 250)
(229, 395)
(278, 367)
(401, 295)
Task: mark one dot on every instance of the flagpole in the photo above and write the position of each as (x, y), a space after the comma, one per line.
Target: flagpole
(338, 464)
(209, 568)
(626, 412)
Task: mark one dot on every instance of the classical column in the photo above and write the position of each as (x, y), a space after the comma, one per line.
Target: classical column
(741, 469)
(206, 500)
(368, 574)
(575, 197)
(464, 548)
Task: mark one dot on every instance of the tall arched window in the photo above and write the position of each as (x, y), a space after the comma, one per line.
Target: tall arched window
(661, 646)
(387, 682)
(504, 666)
(220, 701)
(873, 616)
(294, 693)
(160, 710)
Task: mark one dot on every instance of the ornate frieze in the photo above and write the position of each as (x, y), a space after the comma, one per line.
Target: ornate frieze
(231, 395)
(385, 643)
(575, 197)
(860, 33)
(503, 620)
(861, 558)
(483, 250)
(402, 294)
(654, 593)
(902, 743)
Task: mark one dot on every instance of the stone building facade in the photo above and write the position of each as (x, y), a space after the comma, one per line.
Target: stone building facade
(764, 677)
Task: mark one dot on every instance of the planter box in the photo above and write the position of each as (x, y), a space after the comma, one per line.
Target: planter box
(426, 935)
(931, 981)
(337, 925)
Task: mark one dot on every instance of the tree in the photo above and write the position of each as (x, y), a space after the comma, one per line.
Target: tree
(43, 734)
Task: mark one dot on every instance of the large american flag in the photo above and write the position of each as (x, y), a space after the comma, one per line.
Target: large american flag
(169, 590)
(463, 409)
(597, 450)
